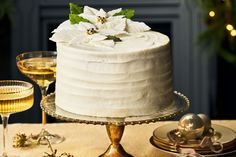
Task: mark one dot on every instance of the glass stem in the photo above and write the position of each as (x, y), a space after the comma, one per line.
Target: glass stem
(44, 93)
(5, 118)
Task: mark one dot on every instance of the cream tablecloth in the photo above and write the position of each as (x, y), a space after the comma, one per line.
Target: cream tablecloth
(90, 140)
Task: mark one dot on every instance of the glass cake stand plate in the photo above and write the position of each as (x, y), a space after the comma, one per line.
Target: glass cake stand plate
(115, 126)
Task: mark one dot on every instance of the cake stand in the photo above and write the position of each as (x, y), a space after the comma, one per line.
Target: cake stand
(115, 126)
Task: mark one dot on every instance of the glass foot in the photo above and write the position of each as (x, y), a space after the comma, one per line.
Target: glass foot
(52, 138)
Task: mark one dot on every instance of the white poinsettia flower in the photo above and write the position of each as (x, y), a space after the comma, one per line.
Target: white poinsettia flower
(96, 40)
(101, 26)
(77, 33)
(98, 16)
(64, 35)
(106, 23)
(65, 32)
(66, 26)
(85, 26)
(92, 11)
(115, 27)
(113, 12)
(88, 32)
(85, 38)
(83, 32)
(136, 27)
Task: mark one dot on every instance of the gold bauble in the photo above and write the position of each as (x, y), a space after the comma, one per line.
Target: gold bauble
(191, 126)
(206, 122)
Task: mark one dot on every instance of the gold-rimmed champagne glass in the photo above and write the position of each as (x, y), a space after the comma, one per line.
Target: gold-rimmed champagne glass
(15, 96)
(40, 66)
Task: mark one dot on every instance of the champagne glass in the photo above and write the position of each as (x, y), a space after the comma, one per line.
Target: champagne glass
(40, 66)
(15, 96)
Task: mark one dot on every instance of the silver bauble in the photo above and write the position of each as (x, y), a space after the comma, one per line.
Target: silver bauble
(191, 126)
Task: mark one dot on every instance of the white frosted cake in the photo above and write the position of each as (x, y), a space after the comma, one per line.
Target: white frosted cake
(111, 66)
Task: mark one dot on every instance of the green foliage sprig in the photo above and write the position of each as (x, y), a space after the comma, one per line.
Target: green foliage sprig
(74, 17)
(114, 38)
(218, 37)
(76, 9)
(127, 13)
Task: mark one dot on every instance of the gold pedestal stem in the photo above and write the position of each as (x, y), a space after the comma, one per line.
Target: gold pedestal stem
(44, 118)
(44, 115)
(115, 133)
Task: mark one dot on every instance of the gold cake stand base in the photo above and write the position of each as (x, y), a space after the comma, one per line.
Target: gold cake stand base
(115, 149)
(115, 126)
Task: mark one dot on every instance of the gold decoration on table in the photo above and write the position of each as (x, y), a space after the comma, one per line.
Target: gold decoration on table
(194, 135)
(21, 140)
(54, 151)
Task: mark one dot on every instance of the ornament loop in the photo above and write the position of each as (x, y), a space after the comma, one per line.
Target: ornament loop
(217, 147)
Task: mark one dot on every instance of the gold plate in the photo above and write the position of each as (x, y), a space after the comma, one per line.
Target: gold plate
(193, 144)
(174, 149)
(224, 135)
(169, 153)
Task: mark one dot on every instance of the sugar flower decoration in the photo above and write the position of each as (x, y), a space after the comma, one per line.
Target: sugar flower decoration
(97, 27)
(83, 32)
(105, 21)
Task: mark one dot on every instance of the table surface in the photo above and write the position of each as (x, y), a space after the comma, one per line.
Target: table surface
(91, 140)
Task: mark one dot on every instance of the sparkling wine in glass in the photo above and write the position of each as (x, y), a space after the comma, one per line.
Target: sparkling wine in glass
(40, 66)
(42, 70)
(15, 96)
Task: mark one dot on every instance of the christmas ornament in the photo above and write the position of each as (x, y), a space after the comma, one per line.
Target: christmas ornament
(191, 126)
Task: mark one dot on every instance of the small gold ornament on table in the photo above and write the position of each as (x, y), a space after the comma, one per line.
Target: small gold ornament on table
(21, 140)
(54, 151)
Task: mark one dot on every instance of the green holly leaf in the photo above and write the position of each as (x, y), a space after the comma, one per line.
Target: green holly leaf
(76, 19)
(127, 13)
(114, 38)
(76, 9)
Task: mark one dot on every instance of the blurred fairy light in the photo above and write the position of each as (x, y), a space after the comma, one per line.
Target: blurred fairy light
(233, 33)
(212, 13)
(229, 27)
